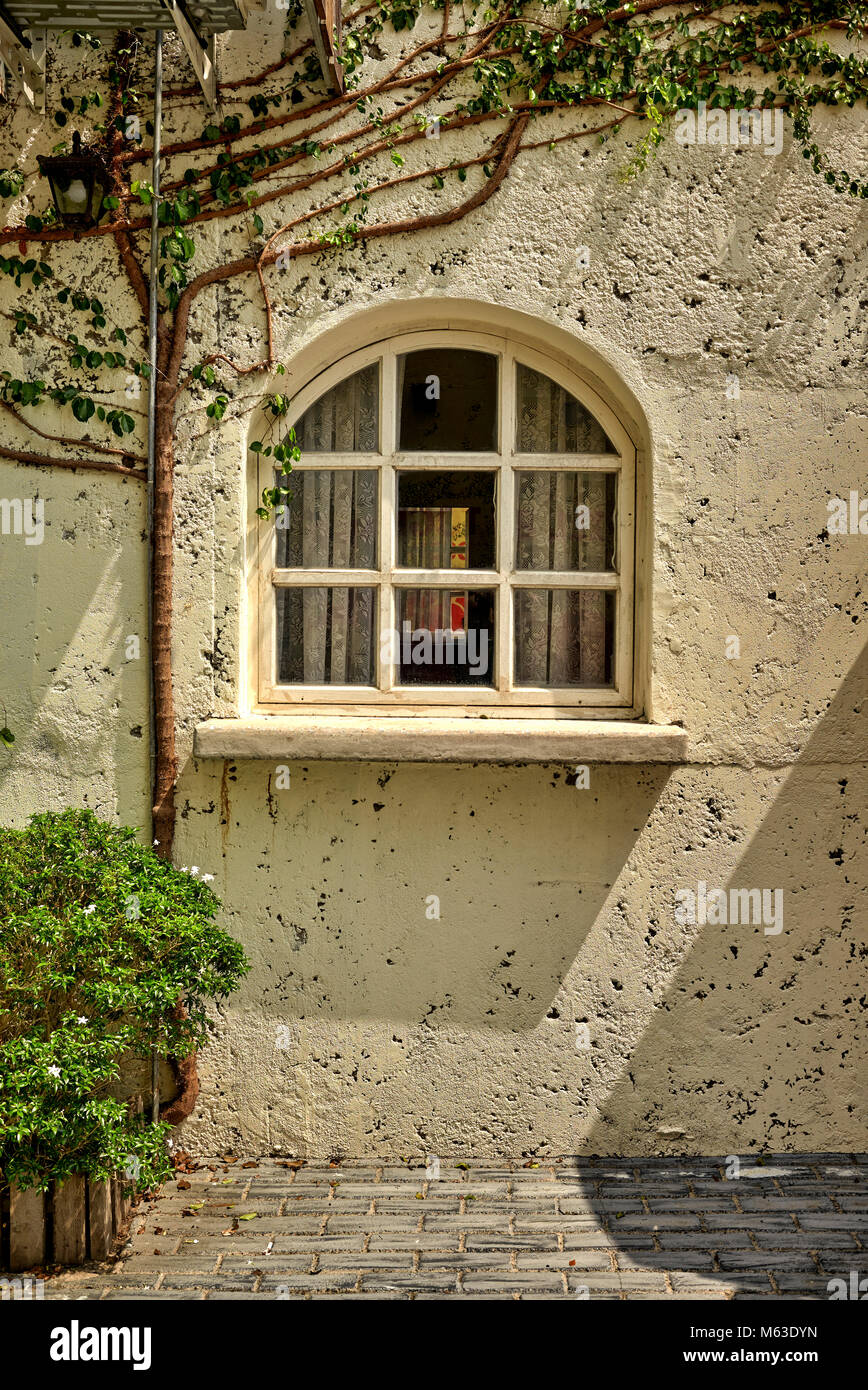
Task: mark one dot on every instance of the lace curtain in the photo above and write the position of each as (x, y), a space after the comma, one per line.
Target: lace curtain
(326, 636)
(565, 521)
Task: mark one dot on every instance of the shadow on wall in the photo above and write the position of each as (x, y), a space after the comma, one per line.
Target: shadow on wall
(555, 905)
(461, 898)
(74, 640)
(782, 1013)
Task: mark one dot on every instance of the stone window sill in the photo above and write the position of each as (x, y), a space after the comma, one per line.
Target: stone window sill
(423, 739)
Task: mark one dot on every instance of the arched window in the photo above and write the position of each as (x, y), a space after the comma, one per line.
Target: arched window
(460, 533)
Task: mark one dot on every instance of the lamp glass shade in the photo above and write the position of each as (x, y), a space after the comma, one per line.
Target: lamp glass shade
(78, 184)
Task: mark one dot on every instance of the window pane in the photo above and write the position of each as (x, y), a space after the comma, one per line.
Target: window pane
(444, 637)
(551, 421)
(346, 419)
(448, 401)
(566, 521)
(564, 637)
(326, 636)
(330, 521)
(446, 520)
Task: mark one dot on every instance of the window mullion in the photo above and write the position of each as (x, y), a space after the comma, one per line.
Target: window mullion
(506, 524)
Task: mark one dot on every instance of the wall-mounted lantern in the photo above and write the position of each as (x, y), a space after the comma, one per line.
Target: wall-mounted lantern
(78, 184)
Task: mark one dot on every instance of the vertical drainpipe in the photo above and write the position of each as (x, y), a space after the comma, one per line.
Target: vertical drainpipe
(152, 439)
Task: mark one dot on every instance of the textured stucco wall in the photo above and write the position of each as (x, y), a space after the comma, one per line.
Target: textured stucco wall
(364, 1026)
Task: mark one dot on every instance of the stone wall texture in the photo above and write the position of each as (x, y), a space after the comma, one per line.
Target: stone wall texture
(365, 1028)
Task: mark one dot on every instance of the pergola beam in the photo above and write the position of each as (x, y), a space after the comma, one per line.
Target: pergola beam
(324, 17)
(202, 52)
(25, 60)
(104, 16)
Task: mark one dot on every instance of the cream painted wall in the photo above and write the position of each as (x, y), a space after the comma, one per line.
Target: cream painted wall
(364, 1027)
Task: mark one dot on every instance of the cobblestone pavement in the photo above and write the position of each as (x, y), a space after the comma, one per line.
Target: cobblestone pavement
(619, 1229)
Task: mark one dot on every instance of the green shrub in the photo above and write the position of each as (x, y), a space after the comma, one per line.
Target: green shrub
(99, 940)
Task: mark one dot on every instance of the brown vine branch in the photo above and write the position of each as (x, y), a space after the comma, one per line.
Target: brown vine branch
(45, 461)
(135, 274)
(345, 102)
(645, 6)
(72, 443)
(227, 271)
(264, 365)
(438, 79)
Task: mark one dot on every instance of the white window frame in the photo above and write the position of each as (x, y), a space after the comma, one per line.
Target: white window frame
(391, 697)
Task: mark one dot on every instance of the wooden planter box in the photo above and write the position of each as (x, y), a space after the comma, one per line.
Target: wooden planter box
(70, 1223)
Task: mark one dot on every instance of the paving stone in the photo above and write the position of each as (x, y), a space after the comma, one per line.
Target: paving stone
(199, 1226)
(658, 1221)
(694, 1281)
(528, 1189)
(726, 1187)
(451, 1294)
(816, 1283)
(748, 1221)
(380, 1296)
(505, 1241)
(814, 1202)
(344, 1191)
(416, 1240)
(93, 1293)
(287, 1245)
(832, 1241)
(626, 1240)
(694, 1205)
(209, 1281)
(242, 1264)
(470, 1221)
(583, 1221)
(596, 1174)
(398, 1206)
(512, 1206)
(564, 1260)
(613, 1281)
(185, 1264)
(577, 1205)
(531, 1234)
(163, 1295)
(219, 1294)
(372, 1259)
(340, 1224)
(242, 1243)
(837, 1221)
(427, 1279)
(638, 1280)
(273, 1282)
(766, 1260)
(706, 1240)
(661, 1259)
(466, 1260)
(660, 1191)
(529, 1279)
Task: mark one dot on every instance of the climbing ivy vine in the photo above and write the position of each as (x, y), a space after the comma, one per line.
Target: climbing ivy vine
(440, 102)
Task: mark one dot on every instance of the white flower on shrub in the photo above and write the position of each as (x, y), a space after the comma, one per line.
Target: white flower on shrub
(207, 878)
(81, 1019)
(91, 907)
(54, 1071)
